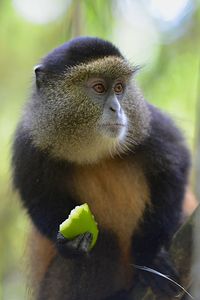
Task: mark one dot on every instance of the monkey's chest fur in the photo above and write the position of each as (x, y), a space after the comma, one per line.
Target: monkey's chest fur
(117, 192)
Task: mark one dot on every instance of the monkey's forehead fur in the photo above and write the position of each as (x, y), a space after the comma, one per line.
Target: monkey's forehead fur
(108, 67)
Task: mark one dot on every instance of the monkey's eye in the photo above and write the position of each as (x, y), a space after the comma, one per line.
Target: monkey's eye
(118, 88)
(99, 88)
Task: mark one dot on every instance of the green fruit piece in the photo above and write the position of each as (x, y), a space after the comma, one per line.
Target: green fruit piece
(80, 221)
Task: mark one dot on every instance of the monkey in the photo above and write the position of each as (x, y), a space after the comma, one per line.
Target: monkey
(88, 135)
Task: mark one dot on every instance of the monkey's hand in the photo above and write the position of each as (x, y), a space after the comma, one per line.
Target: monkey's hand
(77, 247)
(160, 284)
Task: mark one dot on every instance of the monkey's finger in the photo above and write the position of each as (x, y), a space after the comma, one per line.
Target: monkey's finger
(79, 246)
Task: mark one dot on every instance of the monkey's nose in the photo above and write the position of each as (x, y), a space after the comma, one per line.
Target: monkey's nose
(114, 105)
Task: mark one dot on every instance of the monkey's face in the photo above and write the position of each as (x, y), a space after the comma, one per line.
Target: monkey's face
(108, 94)
(86, 113)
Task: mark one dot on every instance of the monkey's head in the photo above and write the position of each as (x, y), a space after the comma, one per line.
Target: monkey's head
(85, 105)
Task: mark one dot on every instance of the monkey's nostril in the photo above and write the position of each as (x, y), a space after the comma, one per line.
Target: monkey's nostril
(112, 109)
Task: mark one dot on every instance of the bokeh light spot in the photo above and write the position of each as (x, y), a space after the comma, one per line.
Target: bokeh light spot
(41, 11)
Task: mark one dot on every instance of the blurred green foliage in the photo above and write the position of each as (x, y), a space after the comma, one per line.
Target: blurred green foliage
(170, 83)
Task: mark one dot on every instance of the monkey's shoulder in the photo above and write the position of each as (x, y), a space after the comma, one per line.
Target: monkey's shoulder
(165, 147)
(36, 174)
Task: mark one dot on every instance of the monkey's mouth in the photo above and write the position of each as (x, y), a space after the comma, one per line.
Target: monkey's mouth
(113, 130)
(115, 125)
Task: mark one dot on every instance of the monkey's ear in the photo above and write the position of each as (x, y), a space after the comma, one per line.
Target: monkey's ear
(39, 74)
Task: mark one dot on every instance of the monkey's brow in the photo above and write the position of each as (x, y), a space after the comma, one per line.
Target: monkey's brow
(83, 75)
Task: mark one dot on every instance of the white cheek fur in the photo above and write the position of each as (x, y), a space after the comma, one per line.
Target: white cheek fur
(123, 132)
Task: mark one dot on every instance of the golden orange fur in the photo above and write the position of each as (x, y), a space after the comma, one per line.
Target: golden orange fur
(117, 193)
(41, 253)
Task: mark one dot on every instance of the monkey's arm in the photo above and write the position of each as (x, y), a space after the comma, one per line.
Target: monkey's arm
(166, 164)
(39, 181)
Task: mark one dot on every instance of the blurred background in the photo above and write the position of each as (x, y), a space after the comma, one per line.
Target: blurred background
(163, 36)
